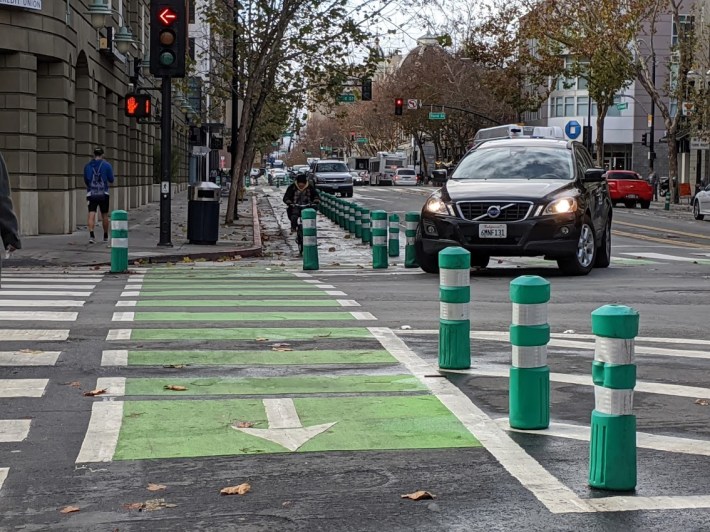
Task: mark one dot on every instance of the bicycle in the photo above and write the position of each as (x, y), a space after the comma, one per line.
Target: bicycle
(299, 225)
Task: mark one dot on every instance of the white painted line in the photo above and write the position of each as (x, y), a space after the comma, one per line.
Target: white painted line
(133, 287)
(658, 388)
(118, 334)
(137, 279)
(29, 358)
(123, 316)
(38, 335)
(57, 293)
(557, 497)
(301, 274)
(40, 303)
(324, 286)
(662, 256)
(3, 475)
(335, 293)
(102, 434)
(645, 440)
(14, 430)
(114, 357)
(312, 281)
(363, 316)
(348, 303)
(140, 270)
(126, 303)
(114, 386)
(22, 387)
(130, 293)
(78, 280)
(36, 315)
(9, 285)
(631, 504)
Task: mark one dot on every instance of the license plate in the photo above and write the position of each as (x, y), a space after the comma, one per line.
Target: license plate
(632, 196)
(492, 231)
(335, 186)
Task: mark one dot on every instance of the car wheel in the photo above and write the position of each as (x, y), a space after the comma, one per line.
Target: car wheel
(630, 204)
(603, 258)
(696, 211)
(645, 204)
(479, 261)
(582, 262)
(427, 262)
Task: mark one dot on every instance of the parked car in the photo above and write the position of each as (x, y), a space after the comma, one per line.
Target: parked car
(277, 177)
(701, 203)
(333, 176)
(521, 196)
(357, 178)
(404, 176)
(629, 188)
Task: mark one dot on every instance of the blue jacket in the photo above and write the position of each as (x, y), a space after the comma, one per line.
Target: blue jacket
(105, 170)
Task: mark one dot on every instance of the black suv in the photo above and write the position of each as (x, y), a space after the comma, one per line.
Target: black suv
(521, 196)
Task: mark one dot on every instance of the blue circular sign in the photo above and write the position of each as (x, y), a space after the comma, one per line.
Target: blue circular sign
(573, 129)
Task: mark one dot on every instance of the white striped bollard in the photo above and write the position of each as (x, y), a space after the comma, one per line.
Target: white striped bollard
(393, 241)
(379, 239)
(366, 233)
(411, 220)
(358, 221)
(119, 241)
(310, 239)
(454, 308)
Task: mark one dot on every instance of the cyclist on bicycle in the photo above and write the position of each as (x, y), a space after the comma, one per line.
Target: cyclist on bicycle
(300, 192)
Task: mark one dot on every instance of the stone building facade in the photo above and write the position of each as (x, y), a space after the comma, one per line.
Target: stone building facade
(62, 90)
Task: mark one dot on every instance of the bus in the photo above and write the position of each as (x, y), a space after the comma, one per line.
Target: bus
(382, 167)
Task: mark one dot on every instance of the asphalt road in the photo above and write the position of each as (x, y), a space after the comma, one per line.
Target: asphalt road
(320, 390)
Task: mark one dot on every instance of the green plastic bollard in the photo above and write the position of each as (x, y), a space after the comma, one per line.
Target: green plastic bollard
(529, 398)
(612, 449)
(341, 212)
(310, 240)
(379, 239)
(393, 241)
(366, 232)
(411, 220)
(351, 217)
(119, 242)
(454, 308)
(358, 221)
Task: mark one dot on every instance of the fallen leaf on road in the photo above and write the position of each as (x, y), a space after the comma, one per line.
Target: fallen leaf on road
(74, 384)
(69, 509)
(281, 349)
(243, 425)
(174, 387)
(286, 504)
(157, 504)
(323, 335)
(96, 268)
(236, 490)
(418, 495)
(97, 391)
(703, 402)
(261, 339)
(280, 344)
(30, 352)
(335, 264)
(186, 259)
(331, 249)
(155, 487)
(175, 366)
(134, 506)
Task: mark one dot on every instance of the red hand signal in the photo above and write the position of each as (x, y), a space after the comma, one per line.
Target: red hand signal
(131, 105)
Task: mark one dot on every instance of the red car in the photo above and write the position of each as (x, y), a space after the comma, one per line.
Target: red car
(629, 188)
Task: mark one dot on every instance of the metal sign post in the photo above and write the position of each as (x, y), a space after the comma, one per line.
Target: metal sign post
(165, 163)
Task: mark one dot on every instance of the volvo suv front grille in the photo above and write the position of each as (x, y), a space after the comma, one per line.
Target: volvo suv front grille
(494, 211)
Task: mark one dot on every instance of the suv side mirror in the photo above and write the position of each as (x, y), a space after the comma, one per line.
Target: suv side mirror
(594, 175)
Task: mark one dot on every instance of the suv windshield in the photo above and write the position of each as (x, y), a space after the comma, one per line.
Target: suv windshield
(405, 172)
(516, 162)
(332, 167)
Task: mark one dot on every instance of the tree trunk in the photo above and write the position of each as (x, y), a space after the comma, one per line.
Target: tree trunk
(599, 141)
(672, 164)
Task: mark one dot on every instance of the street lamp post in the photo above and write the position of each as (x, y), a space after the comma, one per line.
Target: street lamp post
(652, 116)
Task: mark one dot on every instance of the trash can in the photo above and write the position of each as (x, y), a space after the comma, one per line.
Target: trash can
(203, 213)
(438, 177)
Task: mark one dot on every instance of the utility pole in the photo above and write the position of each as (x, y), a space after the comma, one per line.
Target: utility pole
(235, 112)
(165, 160)
(652, 116)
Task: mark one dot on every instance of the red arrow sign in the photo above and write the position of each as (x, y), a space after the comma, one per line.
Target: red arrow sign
(167, 16)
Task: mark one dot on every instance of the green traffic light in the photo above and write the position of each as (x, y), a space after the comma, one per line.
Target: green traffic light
(167, 58)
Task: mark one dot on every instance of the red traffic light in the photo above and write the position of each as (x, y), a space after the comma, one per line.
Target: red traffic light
(167, 16)
(399, 101)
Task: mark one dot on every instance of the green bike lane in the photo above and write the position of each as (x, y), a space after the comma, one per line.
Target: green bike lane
(193, 377)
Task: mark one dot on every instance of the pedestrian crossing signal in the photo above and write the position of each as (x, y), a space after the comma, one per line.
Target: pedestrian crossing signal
(137, 105)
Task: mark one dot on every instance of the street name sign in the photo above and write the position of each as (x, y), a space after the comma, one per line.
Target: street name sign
(437, 116)
(348, 98)
(622, 106)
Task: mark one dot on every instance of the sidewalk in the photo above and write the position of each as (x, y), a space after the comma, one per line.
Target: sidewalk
(242, 239)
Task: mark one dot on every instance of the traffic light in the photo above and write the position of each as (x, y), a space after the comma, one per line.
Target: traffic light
(644, 139)
(366, 90)
(398, 103)
(137, 105)
(168, 38)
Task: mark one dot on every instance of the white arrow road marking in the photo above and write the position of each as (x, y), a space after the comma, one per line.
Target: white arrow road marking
(285, 426)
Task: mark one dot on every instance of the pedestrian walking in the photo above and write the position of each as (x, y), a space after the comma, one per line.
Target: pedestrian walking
(653, 178)
(98, 174)
(9, 231)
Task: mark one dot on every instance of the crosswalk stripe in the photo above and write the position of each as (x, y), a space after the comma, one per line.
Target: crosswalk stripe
(39, 335)
(114, 357)
(348, 303)
(3, 475)
(335, 293)
(45, 279)
(58, 293)
(130, 293)
(363, 316)
(21, 286)
(102, 434)
(14, 430)
(114, 386)
(123, 316)
(41, 303)
(118, 334)
(126, 303)
(36, 315)
(29, 358)
(22, 387)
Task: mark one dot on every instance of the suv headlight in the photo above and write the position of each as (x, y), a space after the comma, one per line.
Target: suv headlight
(437, 206)
(561, 206)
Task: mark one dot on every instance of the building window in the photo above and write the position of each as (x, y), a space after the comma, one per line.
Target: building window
(686, 23)
(559, 107)
(191, 11)
(582, 105)
(569, 106)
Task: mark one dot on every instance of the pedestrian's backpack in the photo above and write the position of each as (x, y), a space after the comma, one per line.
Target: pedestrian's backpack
(96, 189)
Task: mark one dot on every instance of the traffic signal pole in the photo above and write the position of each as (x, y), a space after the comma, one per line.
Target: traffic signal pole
(165, 160)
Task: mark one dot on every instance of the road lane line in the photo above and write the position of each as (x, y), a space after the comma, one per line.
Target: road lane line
(14, 430)
(11, 388)
(118, 334)
(114, 386)
(31, 287)
(301, 274)
(663, 256)
(101, 438)
(126, 303)
(133, 287)
(82, 280)
(38, 335)
(348, 303)
(29, 358)
(123, 316)
(130, 293)
(675, 243)
(632, 504)
(324, 286)
(114, 357)
(363, 316)
(556, 497)
(656, 229)
(335, 293)
(58, 293)
(36, 315)
(40, 303)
